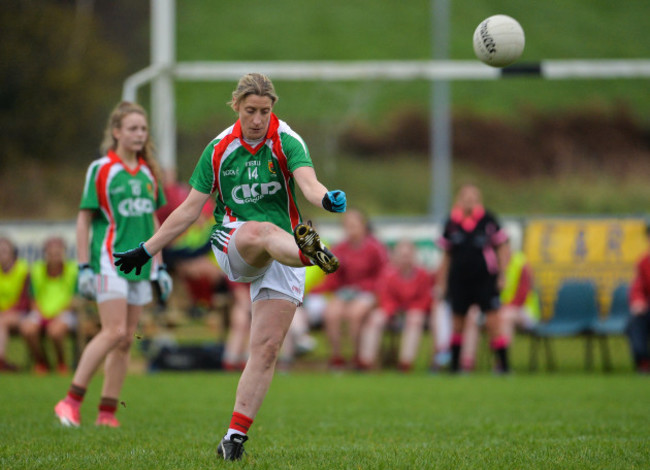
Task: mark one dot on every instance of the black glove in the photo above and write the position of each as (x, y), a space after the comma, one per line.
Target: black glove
(334, 201)
(135, 258)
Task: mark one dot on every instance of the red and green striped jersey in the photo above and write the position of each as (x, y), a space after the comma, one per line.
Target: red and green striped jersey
(124, 201)
(253, 183)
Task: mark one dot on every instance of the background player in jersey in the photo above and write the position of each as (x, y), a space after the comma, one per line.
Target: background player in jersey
(472, 269)
(251, 167)
(403, 288)
(119, 198)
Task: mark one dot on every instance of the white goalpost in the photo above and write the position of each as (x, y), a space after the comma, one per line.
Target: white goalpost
(389, 70)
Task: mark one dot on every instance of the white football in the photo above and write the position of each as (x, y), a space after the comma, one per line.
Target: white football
(499, 41)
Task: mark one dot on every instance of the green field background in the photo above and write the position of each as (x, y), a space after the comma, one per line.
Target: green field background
(386, 421)
(391, 30)
(322, 112)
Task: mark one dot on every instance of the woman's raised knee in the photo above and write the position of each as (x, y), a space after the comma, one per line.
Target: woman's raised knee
(254, 233)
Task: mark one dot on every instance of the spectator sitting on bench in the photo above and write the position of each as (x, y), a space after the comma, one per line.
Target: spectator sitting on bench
(638, 328)
(53, 282)
(404, 287)
(362, 258)
(14, 301)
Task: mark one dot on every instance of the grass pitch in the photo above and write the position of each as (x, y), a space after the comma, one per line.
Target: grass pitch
(384, 420)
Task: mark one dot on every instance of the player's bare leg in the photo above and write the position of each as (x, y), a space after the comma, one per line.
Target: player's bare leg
(240, 325)
(333, 316)
(508, 316)
(371, 335)
(31, 332)
(270, 323)
(112, 314)
(471, 337)
(357, 312)
(115, 368)
(259, 243)
(413, 326)
(8, 321)
(57, 331)
(441, 333)
(113, 317)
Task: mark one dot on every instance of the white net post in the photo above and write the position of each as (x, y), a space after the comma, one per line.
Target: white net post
(163, 57)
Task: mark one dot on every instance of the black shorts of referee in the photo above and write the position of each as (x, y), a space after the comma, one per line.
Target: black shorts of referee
(482, 291)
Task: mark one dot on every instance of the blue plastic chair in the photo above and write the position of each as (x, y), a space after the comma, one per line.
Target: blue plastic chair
(615, 322)
(574, 314)
(619, 313)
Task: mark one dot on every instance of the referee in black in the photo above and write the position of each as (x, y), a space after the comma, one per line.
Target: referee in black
(472, 271)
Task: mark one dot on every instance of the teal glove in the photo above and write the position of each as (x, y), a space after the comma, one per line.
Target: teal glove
(335, 201)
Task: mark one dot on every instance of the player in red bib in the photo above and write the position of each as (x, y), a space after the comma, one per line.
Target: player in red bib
(403, 288)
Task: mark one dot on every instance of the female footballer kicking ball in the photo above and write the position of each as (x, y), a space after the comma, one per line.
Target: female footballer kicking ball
(259, 236)
(120, 196)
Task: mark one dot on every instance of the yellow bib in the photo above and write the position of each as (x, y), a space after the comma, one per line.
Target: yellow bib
(513, 274)
(53, 294)
(12, 284)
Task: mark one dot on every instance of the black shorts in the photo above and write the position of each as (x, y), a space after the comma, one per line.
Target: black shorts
(463, 293)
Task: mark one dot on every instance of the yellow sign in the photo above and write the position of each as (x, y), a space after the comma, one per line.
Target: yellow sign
(602, 250)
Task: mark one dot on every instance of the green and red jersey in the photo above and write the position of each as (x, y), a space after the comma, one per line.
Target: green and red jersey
(124, 201)
(253, 183)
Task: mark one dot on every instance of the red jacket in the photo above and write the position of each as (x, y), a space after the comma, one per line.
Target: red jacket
(360, 266)
(640, 289)
(400, 293)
